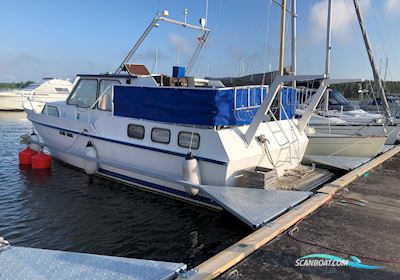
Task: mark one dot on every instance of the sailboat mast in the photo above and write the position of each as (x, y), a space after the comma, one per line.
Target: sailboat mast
(328, 52)
(367, 43)
(328, 40)
(282, 47)
(294, 40)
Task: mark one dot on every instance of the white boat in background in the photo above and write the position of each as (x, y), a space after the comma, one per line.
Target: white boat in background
(38, 93)
(375, 104)
(329, 144)
(343, 118)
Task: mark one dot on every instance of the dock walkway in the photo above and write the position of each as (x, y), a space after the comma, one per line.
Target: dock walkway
(363, 222)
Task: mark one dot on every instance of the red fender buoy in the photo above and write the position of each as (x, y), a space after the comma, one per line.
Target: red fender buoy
(25, 156)
(41, 161)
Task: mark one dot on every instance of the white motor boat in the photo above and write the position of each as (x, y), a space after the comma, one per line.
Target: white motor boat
(38, 93)
(190, 139)
(141, 138)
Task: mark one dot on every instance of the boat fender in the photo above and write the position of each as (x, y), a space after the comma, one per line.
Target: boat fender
(33, 140)
(41, 161)
(90, 166)
(191, 173)
(26, 155)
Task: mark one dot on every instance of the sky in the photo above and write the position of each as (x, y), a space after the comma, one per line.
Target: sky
(60, 38)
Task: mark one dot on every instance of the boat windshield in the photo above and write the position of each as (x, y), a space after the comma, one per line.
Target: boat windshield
(32, 87)
(84, 94)
(336, 98)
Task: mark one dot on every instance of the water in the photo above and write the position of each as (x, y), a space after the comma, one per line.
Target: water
(64, 209)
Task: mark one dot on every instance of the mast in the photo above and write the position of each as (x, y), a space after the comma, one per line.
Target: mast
(367, 43)
(328, 52)
(282, 47)
(328, 40)
(294, 40)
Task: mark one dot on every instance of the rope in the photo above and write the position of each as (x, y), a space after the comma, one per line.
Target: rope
(355, 33)
(191, 140)
(267, 48)
(4, 244)
(344, 252)
(76, 139)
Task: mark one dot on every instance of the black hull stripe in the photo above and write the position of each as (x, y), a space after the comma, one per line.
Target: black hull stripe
(131, 144)
(156, 186)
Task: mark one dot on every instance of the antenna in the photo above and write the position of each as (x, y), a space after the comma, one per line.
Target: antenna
(206, 19)
(178, 56)
(156, 59)
(185, 13)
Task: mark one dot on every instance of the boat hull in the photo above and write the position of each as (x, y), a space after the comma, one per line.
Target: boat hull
(392, 131)
(158, 168)
(18, 102)
(11, 102)
(345, 146)
(63, 151)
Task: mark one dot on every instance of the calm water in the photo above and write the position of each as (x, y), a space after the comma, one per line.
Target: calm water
(65, 209)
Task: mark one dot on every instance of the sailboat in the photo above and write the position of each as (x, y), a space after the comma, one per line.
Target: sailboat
(342, 117)
(336, 135)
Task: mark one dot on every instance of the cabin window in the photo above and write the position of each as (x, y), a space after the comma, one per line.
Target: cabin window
(84, 94)
(136, 131)
(62, 90)
(105, 93)
(186, 140)
(51, 111)
(160, 135)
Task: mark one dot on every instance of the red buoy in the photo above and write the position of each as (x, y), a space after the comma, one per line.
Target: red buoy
(25, 156)
(41, 161)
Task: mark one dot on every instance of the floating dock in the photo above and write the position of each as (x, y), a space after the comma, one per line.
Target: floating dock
(363, 223)
(19, 263)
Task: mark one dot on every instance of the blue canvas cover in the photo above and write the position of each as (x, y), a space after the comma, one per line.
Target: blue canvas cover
(199, 106)
(288, 99)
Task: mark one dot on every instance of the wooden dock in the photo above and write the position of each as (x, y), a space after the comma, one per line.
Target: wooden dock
(229, 259)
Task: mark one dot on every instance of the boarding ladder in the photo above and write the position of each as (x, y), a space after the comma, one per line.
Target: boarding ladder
(249, 93)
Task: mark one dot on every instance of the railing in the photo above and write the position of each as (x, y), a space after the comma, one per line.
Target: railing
(248, 91)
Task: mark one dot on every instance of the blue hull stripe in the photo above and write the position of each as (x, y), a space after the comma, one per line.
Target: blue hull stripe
(156, 186)
(131, 144)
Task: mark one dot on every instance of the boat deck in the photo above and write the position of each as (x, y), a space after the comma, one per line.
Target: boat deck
(343, 163)
(363, 222)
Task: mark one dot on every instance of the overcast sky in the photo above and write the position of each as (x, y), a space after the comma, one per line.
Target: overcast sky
(63, 38)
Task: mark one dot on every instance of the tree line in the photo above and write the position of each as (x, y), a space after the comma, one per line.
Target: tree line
(351, 90)
(6, 86)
